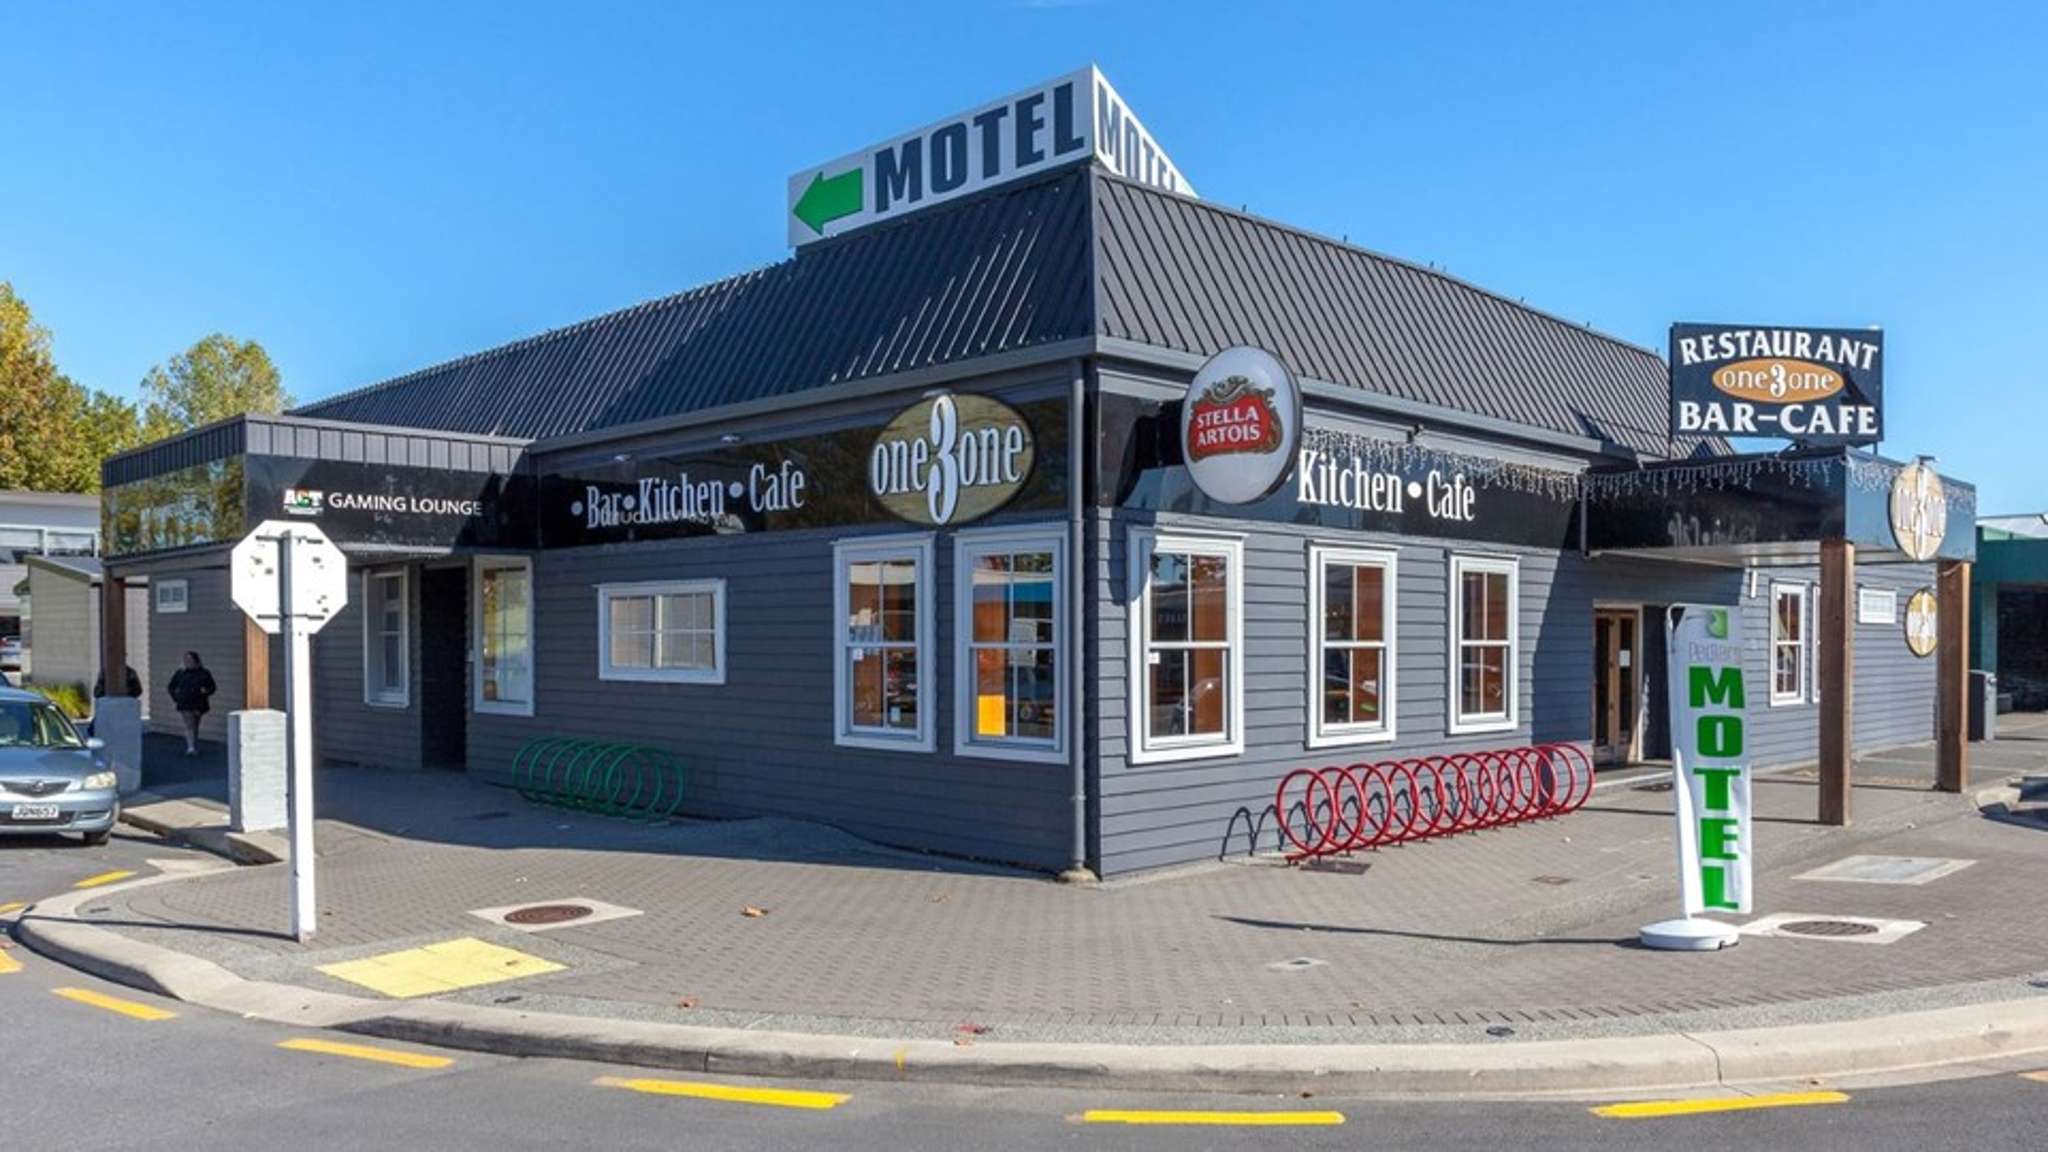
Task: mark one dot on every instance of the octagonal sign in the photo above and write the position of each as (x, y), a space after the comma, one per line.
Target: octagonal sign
(319, 575)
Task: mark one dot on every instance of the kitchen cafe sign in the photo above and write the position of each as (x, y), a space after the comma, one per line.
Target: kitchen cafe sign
(1822, 386)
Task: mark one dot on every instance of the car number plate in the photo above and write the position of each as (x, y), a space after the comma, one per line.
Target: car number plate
(35, 812)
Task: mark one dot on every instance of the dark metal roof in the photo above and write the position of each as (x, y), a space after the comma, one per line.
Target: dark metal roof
(991, 274)
(1188, 275)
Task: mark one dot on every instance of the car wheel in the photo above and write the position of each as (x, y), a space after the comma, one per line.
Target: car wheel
(94, 839)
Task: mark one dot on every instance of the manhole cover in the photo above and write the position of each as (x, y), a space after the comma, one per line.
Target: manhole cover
(547, 914)
(1659, 786)
(1827, 928)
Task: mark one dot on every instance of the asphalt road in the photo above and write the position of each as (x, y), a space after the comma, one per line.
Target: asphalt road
(82, 1068)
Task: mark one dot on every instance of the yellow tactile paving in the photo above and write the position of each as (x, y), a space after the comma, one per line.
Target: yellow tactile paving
(444, 967)
(1654, 1109)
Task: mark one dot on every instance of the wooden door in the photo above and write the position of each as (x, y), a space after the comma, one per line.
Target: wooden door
(1617, 684)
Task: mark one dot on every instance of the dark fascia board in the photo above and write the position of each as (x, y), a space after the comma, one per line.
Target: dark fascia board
(285, 420)
(1407, 411)
(188, 434)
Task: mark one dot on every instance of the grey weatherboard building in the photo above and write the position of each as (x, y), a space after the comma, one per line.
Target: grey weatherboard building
(511, 610)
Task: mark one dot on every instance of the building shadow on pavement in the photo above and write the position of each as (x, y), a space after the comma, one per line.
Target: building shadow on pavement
(1628, 942)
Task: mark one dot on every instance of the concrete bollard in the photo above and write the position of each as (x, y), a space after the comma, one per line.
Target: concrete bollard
(256, 776)
(117, 721)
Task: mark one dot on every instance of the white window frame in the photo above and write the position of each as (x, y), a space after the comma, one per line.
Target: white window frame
(1457, 722)
(479, 566)
(172, 605)
(1141, 545)
(606, 593)
(1320, 558)
(918, 548)
(402, 697)
(1888, 597)
(966, 546)
(1804, 646)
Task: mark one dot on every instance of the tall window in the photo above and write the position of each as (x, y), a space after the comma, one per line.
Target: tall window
(1009, 637)
(1351, 646)
(1484, 693)
(882, 677)
(1187, 643)
(384, 639)
(1789, 651)
(504, 636)
(670, 631)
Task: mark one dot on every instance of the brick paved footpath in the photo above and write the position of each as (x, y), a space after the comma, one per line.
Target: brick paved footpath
(1527, 931)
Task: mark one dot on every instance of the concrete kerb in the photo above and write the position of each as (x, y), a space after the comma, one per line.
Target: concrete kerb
(1673, 1062)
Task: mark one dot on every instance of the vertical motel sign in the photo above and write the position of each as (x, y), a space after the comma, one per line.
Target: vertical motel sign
(1710, 762)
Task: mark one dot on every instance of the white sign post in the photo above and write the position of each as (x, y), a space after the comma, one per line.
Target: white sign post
(1710, 769)
(289, 577)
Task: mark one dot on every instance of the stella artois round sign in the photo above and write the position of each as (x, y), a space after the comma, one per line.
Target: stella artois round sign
(1240, 425)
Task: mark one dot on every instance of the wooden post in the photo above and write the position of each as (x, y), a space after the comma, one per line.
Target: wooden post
(255, 665)
(114, 634)
(1837, 677)
(1952, 676)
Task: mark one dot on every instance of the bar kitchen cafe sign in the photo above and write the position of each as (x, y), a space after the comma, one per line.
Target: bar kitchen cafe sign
(1822, 386)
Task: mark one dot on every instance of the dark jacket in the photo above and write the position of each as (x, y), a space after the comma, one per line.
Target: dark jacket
(189, 688)
(134, 682)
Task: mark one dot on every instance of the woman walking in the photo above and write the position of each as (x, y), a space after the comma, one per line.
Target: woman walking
(190, 687)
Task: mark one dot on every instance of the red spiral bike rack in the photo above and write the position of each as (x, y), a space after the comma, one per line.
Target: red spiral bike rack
(1345, 808)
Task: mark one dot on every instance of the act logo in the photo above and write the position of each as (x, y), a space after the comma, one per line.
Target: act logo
(304, 501)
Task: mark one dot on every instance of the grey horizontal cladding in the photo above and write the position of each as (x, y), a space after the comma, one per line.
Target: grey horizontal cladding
(349, 731)
(1191, 276)
(762, 742)
(1158, 814)
(992, 273)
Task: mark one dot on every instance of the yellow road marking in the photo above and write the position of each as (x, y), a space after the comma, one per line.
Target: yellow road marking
(1215, 1119)
(8, 965)
(443, 967)
(1650, 1109)
(102, 878)
(128, 1008)
(2037, 1077)
(365, 1052)
(11, 908)
(773, 1097)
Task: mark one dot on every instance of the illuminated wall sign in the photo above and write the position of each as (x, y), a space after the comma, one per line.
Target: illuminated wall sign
(1240, 424)
(951, 459)
(1813, 385)
(1919, 511)
(1042, 127)
(1328, 479)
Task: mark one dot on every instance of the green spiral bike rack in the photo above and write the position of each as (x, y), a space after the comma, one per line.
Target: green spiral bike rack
(627, 780)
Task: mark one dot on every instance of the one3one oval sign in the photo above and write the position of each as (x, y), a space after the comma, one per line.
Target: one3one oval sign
(951, 459)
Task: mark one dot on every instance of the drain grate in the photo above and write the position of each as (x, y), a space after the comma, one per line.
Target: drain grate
(1553, 881)
(547, 914)
(1828, 928)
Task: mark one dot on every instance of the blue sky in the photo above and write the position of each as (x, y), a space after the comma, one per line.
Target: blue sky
(369, 188)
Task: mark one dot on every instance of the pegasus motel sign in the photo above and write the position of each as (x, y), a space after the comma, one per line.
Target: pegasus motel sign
(1059, 122)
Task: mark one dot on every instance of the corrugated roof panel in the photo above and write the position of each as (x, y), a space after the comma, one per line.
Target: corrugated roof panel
(1190, 276)
(990, 274)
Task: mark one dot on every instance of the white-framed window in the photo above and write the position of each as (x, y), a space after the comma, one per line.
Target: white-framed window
(502, 609)
(386, 618)
(172, 596)
(1485, 644)
(672, 631)
(1351, 646)
(1877, 606)
(882, 640)
(1009, 644)
(1791, 655)
(1186, 646)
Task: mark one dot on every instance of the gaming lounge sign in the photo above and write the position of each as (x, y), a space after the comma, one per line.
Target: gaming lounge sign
(1821, 386)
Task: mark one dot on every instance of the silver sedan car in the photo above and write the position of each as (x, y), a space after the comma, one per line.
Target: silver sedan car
(51, 778)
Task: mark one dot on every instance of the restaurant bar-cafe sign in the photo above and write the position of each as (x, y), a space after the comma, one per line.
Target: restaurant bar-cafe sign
(950, 459)
(1822, 386)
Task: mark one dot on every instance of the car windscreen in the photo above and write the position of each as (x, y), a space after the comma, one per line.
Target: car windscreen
(33, 724)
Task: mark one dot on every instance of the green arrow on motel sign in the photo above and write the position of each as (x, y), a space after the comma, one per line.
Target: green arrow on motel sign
(828, 199)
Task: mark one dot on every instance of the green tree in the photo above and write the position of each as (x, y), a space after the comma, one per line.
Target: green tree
(214, 379)
(53, 431)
